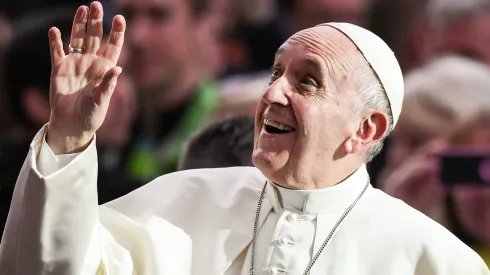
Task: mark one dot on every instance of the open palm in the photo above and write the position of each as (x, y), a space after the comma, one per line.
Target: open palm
(82, 82)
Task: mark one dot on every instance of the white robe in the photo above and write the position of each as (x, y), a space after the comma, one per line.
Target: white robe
(201, 222)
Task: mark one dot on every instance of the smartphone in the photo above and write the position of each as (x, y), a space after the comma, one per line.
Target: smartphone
(460, 166)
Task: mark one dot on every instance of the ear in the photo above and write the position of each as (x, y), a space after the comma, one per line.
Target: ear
(370, 130)
(36, 105)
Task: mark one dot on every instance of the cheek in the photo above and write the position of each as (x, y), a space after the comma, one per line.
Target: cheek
(319, 127)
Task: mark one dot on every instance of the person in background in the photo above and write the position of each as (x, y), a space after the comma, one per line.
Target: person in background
(175, 91)
(227, 142)
(413, 19)
(463, 208)
(430, 28)
(309, 13)
(464, 27)
(439, 94)
(469, 206)
(438, 97)
(26, 74)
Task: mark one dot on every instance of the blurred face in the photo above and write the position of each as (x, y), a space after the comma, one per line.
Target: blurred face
(308, 109)
(309, 13)
(159, 39)
(469, 36)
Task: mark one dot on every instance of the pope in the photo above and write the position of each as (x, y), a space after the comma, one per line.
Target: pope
(307, 206)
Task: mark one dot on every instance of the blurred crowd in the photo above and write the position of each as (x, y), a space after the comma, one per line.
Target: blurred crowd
(194, 70)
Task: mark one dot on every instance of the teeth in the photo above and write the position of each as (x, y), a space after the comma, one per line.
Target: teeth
(277, 125)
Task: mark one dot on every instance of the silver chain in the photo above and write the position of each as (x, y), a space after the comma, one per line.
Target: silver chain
(317, 255)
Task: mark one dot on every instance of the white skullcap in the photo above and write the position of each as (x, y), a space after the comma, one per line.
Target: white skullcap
(382, 60)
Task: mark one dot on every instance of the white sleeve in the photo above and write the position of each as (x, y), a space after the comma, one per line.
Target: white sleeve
(53, 224)
(49, 162)
(56, 227)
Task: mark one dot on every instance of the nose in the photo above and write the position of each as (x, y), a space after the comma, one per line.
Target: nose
(277, 92)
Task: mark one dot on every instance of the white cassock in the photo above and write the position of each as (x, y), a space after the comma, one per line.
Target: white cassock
(201, 222)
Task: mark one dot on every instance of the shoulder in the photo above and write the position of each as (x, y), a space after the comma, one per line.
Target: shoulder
(427, 241)
(193, 185)
(396, 214)
(218, 179)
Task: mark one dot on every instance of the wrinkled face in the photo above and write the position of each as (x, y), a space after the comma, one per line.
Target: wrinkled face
(159, 38)
(308, 109)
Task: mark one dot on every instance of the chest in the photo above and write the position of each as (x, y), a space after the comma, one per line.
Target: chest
(288, 241)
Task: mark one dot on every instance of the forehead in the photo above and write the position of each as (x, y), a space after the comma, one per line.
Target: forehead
(325, 44)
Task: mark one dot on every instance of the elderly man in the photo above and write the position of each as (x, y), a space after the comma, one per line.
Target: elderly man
(308, 207)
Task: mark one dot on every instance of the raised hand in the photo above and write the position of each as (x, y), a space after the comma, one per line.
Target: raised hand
(83, 81)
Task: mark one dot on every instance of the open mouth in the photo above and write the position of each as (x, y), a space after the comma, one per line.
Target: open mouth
(274, 127)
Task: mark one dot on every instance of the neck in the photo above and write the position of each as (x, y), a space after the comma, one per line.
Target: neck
(331, 175)
(335, 174)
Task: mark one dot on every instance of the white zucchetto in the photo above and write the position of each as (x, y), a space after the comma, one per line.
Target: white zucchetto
(382, 60)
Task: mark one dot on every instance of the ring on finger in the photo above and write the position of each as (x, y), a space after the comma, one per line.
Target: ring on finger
(75, 50)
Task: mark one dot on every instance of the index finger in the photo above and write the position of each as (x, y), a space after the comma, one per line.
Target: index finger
(116, 39)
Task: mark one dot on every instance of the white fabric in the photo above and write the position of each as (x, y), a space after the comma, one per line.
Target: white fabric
(382, 60)
(299, 223)
(200, 222)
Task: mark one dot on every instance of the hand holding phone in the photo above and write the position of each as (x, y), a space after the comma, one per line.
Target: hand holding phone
(465, 166)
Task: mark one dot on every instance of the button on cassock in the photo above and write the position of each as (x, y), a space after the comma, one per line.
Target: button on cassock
(284, 241)
(292, 218)
(275, 270)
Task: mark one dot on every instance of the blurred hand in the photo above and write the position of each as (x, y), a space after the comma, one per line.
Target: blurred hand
(415, 180)
(82, 83)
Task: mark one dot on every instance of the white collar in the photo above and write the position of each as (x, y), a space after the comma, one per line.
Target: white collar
(320, 201)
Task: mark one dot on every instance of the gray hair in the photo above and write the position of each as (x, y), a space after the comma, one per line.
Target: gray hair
(373, 97)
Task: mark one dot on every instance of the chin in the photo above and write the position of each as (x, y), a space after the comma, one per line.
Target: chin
(269, 163)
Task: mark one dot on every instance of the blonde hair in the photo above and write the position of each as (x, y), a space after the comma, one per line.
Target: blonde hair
(443, 93)
(464, 132)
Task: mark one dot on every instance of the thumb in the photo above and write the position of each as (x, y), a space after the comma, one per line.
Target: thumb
(104, 90)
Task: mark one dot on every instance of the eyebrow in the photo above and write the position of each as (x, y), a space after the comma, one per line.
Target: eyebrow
(279, 52)
(316, 64)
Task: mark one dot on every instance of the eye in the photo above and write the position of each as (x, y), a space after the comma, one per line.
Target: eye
(309, 82)
(275, 72)
(160, 15)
